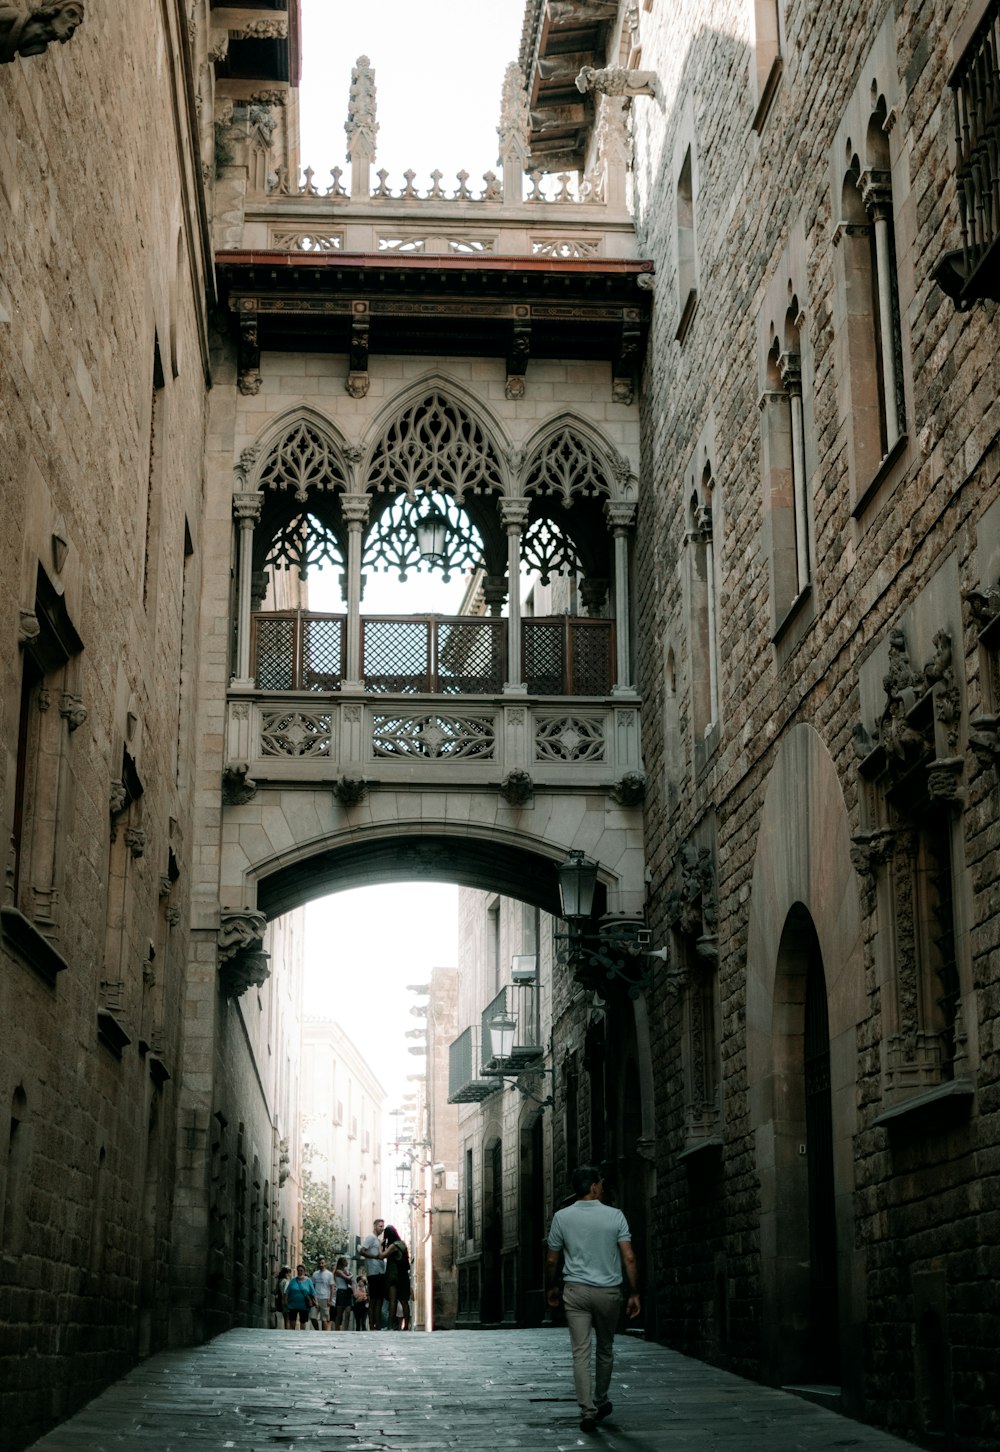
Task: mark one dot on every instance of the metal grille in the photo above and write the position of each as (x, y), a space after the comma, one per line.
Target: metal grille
(396, 655)
(544, 657)
(297, 652)
(471, 656)
(322, 653)
(274, 652)
(590, 658)
(568, 656)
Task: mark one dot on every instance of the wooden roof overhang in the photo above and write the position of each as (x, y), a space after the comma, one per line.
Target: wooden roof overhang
(559, 38)
(365, 304)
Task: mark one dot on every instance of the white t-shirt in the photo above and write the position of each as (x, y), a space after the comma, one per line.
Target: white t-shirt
(370, 1247)
(323, 1281)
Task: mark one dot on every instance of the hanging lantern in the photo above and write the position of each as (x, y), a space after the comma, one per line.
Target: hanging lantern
(577, 881)
(432, 536)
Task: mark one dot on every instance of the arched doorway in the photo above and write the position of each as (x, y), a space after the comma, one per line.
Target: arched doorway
(807, 1312)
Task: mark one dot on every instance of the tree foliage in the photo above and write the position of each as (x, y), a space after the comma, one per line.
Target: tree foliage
(323, 1231)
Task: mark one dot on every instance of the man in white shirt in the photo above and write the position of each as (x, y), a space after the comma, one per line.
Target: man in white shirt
(595, 1243)
(322, 1279)
(371, 1248)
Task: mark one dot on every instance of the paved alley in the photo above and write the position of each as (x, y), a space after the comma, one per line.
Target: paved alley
(482, 1391)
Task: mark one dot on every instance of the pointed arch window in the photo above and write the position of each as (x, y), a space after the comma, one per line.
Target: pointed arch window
(567, 467)
(435, 445)
(303, 460)
(304, 543)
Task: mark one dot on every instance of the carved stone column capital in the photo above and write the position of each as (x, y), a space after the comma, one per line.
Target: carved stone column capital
(248, 506)
(876, 193)
(790, 372)
(514, 513)
(356, 510)
(620, 514)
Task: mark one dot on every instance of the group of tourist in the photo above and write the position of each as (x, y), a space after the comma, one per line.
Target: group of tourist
(334, 1300)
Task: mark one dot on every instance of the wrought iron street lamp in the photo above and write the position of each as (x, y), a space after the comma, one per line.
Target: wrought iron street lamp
(616, 950)
(503, 1028)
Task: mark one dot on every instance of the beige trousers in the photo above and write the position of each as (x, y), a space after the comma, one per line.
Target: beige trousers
(591, 1308)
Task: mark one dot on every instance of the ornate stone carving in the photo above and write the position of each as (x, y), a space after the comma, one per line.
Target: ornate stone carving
(248, 505)
(218, 46)
(616, 81)
(135, 841)
(30, 29)
(574, 738)
(984, 739)
(303, 460)
(515, 119)
(238, 786)
(630, 789)
(690, 908)
(902, 688)
(435, 437)
(350, 790)
(517, 788)
(28, 628)
(940, 676)
(361, 126)
(614, 145)
(118, 798)
(72, 710)
(984, 604)
(869, 850)
(271, 28)
(242, 960)
(567, 466)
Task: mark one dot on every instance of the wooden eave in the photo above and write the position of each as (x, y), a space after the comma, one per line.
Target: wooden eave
(558, 39)
(428, 305)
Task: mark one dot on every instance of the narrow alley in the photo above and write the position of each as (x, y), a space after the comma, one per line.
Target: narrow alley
(253, 1390)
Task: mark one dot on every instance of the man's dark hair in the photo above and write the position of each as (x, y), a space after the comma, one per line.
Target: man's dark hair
(583, 1178)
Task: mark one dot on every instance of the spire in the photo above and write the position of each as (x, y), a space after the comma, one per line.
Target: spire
(513, 131)
(361, 126)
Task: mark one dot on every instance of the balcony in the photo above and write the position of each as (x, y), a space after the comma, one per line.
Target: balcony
(466, 1082)
(432, 654)
(516, 1004)
(972, 273)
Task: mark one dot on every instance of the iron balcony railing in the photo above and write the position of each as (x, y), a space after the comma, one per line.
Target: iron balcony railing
(435, 654)
(518, 1003)
(975, 84)
(466, 1083)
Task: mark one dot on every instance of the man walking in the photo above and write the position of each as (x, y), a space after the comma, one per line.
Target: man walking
(595, 1243)
(371, 1250)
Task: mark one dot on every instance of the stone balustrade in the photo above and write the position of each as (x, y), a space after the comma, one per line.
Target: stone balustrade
(407, 740)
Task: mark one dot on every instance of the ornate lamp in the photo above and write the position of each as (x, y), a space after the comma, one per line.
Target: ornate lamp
(577, 881)
(432, 535)
(502, 1029)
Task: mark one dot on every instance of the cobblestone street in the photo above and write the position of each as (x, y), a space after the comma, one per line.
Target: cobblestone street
(254, 1390)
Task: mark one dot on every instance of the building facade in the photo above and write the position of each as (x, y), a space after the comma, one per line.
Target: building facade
(731, 370)
(341, 1125)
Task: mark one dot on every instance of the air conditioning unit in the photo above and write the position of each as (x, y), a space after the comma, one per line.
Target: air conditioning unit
(524, 968)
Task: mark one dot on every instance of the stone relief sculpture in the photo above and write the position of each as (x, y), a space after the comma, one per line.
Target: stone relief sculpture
(616, 81)
(30, 29)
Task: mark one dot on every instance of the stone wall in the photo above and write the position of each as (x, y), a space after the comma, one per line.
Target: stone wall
(896, 551)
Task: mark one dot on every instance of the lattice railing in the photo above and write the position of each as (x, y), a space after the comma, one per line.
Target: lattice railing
(298, 651)
(437, 655)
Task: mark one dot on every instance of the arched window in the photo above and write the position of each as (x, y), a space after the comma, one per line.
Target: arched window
(434, 445)
(567, 467)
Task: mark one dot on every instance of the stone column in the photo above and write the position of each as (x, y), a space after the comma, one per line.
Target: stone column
(514, 514)
(876, 193)
(620, 515)
(355, 510)
(791, 376)
(246, 508)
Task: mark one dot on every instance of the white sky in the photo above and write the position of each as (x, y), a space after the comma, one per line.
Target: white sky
(439, 68)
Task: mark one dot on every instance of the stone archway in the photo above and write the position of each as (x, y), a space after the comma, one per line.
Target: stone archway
(803, 864)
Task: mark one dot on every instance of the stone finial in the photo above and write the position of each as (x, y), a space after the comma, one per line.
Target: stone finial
(361, 126)
(616, 81)
(514, 131)
(30, 29)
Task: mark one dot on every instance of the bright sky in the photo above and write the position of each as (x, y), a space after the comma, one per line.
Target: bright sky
(439, 68)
